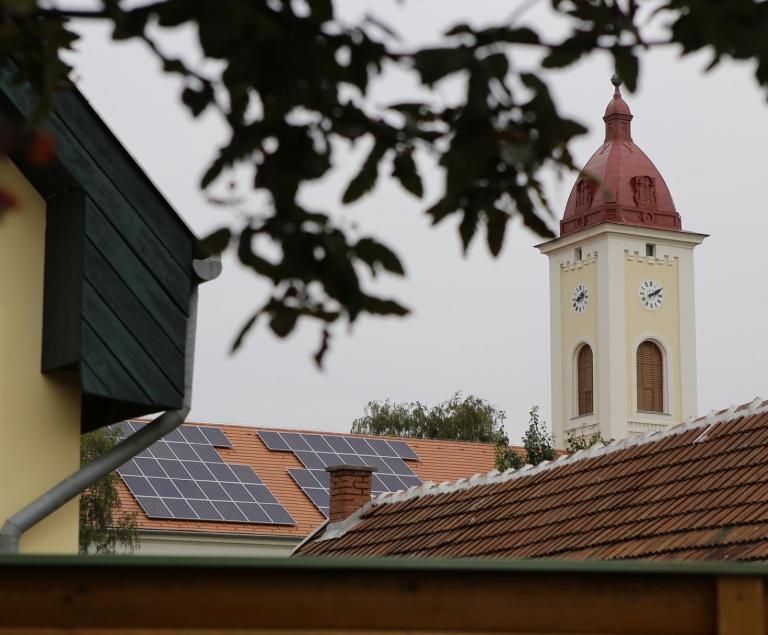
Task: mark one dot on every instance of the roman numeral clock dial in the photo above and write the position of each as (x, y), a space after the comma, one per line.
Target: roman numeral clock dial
(580, 298)
(651, 294)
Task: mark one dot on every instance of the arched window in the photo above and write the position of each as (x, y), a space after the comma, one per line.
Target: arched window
(650, 377)
(584, 380)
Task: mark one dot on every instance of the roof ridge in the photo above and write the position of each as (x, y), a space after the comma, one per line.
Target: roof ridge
(429, 488)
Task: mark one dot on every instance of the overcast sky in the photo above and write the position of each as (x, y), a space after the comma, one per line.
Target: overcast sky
(479, 325)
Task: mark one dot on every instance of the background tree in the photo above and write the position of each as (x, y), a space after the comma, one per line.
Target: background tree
(537, 443)
(459, 418)
(294, 84)
(575, 441)
(103, 526)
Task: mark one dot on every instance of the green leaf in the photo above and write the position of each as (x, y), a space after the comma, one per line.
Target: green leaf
(535, 223)
(496, 65)
(382, 306)
(404, 170)
(197, 100)
(497, 224)
(244, 330)
(325, 341)
(321, 9)
(571, 49)
(561, 56)
(436, 64)
(366, 178)
(494, 35)
(627, 66)
(460, 29)
(373, 253)
(174, 66)
(216, 242)
(128, 25)
(250, 259)
(468, 227)
(213, 171)
(520, 35)
(283, 320)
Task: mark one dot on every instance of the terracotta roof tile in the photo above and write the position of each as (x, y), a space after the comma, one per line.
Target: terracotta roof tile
(698, 491)
(438, 461)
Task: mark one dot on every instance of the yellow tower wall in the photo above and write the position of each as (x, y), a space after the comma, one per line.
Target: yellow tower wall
(578, 328)
(39, 414)
(661, 325)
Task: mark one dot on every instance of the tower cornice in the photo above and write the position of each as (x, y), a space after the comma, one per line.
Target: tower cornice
(669, 237)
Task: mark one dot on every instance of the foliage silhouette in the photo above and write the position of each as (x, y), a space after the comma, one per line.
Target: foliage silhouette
(295, 89)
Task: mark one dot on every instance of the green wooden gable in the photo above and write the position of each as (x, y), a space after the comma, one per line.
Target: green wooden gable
(118, 267)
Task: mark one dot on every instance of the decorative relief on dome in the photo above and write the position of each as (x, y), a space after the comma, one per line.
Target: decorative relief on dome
(645, 191)
(583, 194)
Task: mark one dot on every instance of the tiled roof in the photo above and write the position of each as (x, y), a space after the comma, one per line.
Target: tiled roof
(696, 491)
(438, 460)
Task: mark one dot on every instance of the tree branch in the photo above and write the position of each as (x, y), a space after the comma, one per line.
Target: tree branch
(80, 14)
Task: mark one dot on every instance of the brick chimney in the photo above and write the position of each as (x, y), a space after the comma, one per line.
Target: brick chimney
(350, 490)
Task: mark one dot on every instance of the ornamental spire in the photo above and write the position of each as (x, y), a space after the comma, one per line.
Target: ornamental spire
(617, 115)
(619, 184)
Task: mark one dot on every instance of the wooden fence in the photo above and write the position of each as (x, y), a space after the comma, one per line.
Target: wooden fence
(142, 595)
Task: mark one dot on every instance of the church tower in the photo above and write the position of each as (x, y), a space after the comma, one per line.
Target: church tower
(622, 325)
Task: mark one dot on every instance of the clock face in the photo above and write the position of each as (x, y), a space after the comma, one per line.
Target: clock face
(580, 298)
(651, 294)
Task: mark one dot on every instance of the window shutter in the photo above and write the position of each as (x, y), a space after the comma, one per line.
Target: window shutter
(584, 380)
(650, 378)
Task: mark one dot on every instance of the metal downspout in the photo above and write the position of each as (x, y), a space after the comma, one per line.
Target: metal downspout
(85, 477)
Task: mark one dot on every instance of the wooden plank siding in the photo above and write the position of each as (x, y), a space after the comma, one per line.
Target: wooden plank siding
(64, 238)
(108, 378)
(112, 326)
(88, 147)
(99, 141)
(144, 325)
(161, 595)
(123, 215)
(136, 273)
(119, 274)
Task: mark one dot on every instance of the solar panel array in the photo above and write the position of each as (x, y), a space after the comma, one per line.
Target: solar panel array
(318, 451)
(182, 476)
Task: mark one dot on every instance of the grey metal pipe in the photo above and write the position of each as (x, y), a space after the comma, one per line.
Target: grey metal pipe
(85, 477)
(88, 475)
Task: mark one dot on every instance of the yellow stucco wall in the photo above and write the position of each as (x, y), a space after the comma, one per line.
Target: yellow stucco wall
(577, 327)
(39, 414)
(662, 324)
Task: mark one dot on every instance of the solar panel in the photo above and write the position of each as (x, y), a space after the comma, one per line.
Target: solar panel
(182, 476)
(273, 440)
(215, 437)
(245, 474)
(336, 444)
(278, 514)
(192, 434)
(318, 451)
(154, 507)
(255, 513)
(261, 494)
(403, 450)
(180, 508)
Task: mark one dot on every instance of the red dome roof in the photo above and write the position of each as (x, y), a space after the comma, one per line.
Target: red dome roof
(619, 184)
